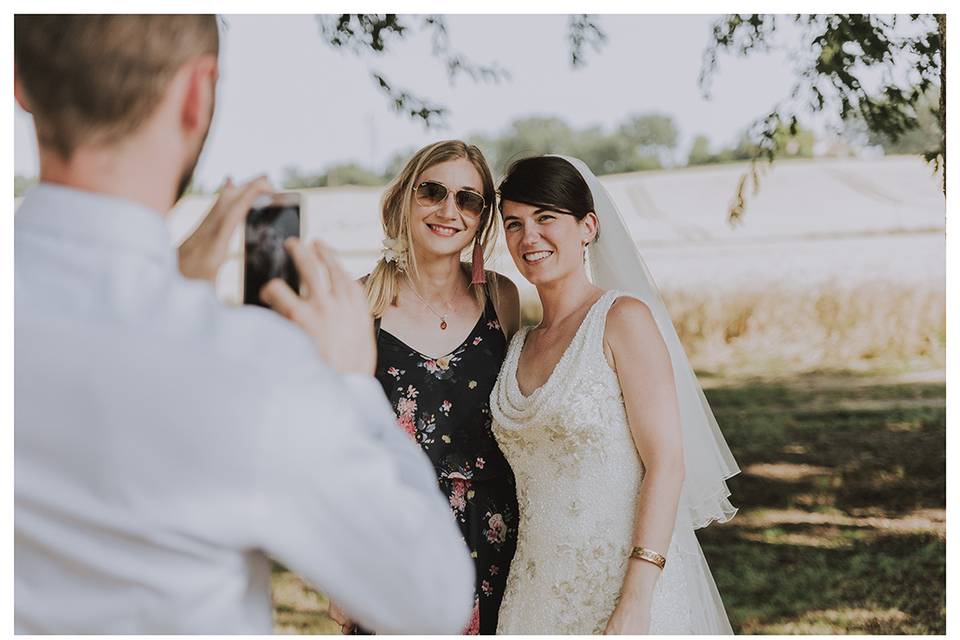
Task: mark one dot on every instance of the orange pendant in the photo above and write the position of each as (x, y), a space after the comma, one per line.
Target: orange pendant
(443, 325)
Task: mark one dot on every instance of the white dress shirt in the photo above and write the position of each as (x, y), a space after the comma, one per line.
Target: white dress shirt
(166, 444)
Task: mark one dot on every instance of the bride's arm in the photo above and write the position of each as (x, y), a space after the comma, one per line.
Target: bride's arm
(642, 363)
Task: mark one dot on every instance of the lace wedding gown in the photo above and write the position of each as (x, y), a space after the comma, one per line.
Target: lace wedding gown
(578, 474)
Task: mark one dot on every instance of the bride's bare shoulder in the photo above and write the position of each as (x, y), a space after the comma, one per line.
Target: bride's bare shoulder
(627, 313)
(631, 333)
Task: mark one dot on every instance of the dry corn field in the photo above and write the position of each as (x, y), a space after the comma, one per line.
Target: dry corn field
(878, 327)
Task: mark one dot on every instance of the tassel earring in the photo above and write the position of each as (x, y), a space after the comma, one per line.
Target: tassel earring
(479, 275)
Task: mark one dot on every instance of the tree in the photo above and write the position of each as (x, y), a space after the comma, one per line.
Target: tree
(602, 152)
(363, 33)
(336, 176)
(837, 53)
(21, 184)
(792, 145)
(795, 143)
(531, 136)
(636, 145)
(700, 151)
(293, 179)
(374, 33)
(647, 135)
(352, 174)
(927, 134)
(396, 162)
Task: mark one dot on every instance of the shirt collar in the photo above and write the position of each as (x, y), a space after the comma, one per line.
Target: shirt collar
(96, 218)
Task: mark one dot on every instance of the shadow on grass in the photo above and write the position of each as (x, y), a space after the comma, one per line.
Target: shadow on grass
(841, 527)
(771, 586)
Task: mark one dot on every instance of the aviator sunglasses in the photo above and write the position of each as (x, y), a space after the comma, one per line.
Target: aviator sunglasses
(430, 194)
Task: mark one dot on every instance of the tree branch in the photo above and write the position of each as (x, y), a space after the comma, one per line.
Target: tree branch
(584, 30)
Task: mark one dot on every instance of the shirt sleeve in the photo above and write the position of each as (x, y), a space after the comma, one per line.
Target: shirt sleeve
(352, 505)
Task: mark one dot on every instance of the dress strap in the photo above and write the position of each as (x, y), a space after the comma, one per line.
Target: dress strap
(593, 339)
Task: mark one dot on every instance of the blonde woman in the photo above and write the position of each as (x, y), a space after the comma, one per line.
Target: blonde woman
(442, 330)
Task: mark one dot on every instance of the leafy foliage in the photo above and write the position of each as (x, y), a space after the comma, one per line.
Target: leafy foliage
(375, 33)
(21, 184)
(584, 30)
(918, 141)
(336, 176)
(641, 142)
(365, 33)
(796, 145)
(637, 144)
(871, 68)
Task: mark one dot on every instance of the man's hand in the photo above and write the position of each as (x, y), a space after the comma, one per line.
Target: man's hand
(333, 309)
(205, 250)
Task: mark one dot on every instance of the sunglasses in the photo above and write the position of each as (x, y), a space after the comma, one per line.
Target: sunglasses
(431, 194)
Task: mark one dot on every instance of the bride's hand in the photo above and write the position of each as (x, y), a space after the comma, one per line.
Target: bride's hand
(632, 619)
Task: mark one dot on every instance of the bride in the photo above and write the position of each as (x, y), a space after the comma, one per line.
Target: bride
(616, 452)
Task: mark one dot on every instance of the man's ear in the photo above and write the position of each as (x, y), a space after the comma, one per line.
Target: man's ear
(19, 93)
(201, 89)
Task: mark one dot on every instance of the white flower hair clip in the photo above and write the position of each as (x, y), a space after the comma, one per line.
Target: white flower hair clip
(395, 250)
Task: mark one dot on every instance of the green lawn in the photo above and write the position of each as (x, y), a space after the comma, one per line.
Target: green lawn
(841, 526)
(842, 495)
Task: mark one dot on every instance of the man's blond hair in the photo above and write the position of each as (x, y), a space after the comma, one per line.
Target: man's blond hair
(92, 79)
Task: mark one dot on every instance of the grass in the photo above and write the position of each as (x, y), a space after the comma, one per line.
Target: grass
(842, 522)
(841, 526)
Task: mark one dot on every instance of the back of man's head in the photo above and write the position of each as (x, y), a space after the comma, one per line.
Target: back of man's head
(93, 79)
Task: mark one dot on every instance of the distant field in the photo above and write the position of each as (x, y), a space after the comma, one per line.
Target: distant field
(812, 222)
(900, 258)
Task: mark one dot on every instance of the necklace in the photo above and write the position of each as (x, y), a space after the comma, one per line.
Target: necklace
(442, 316)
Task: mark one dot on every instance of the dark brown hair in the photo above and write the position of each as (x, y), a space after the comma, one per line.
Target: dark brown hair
(547, 182)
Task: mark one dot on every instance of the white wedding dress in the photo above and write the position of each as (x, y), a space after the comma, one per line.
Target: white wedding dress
(578, 475)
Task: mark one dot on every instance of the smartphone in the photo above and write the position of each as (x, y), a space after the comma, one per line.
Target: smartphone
(271, 220)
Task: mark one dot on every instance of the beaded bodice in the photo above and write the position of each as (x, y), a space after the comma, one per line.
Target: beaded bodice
(571, 435)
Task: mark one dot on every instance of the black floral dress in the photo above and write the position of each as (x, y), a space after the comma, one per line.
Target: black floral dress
(444, 404)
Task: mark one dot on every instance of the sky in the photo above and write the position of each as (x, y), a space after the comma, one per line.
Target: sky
(286, 99)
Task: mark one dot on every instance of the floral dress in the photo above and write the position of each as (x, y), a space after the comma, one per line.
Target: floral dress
(444, 405)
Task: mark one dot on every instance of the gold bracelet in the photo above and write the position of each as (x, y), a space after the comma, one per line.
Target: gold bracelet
(651, 556)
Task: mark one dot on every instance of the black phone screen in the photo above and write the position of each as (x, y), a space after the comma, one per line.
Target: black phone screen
(264, 255)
